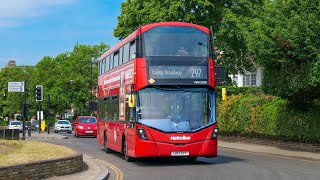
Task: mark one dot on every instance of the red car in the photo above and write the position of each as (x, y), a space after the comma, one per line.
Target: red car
(85, 126)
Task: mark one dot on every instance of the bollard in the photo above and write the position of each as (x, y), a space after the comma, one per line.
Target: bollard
(29, 132)
(48, 128)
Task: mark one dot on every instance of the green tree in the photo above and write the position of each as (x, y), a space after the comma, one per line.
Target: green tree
(286, 43)
(67, 78)
(11, 102)
(225, 17)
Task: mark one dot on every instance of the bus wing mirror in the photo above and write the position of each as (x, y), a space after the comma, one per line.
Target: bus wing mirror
(131, 100)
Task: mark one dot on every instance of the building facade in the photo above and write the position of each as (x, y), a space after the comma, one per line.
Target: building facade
(253, 78)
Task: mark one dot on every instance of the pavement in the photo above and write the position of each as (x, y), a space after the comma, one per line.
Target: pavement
(98, 170)
(270, 150)
(94, 169)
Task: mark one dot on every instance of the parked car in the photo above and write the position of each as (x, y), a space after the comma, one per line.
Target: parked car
(35, 125)
(62, 125)
(85, 126)
(15, 125)
(27, 126)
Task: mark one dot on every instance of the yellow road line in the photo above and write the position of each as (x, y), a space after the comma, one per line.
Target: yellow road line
(119, 174)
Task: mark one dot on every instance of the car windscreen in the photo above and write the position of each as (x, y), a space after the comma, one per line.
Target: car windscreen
(63, 122)
(88, 120)
(15, 123)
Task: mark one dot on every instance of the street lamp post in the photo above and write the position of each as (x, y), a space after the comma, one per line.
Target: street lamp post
(91, 87)
(67, 98)
(90, 99)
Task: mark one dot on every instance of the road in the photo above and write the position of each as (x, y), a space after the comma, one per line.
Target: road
(230, 164)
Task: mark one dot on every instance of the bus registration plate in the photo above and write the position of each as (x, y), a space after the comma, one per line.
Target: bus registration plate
(180, 153)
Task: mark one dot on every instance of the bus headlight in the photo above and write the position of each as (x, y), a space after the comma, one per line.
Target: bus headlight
(142, 134)
(215, 133)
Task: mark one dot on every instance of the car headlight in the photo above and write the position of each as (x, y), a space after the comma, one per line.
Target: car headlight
(80, 127)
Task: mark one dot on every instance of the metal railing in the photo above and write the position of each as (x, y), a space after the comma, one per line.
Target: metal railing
(9, 134)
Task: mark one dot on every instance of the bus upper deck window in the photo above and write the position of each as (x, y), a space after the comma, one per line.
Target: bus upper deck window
(132, 50)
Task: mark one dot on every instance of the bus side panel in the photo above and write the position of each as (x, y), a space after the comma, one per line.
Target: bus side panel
(209, 148)
(141, 74)
(112, 138)
(212, 77)
(100, 132)
(130, 136)
(146, 148)
(120, 130)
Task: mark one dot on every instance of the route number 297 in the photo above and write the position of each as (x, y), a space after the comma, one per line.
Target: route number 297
(196, 73)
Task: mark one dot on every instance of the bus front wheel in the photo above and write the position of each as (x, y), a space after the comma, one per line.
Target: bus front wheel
(125, 150)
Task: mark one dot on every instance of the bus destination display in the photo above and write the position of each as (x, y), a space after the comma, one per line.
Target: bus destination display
(178, 72)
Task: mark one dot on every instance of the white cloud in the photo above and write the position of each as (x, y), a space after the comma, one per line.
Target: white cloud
(12, 10)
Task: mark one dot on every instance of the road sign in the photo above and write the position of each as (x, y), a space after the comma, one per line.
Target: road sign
(16, 86)
(43, 125)
(41, 115)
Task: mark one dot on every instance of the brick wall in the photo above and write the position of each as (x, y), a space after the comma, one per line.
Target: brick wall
(43, 169)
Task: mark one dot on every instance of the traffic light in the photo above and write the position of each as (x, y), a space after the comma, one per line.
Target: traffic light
(39, 93)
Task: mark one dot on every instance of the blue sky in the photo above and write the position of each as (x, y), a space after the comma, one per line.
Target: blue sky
(32, 29)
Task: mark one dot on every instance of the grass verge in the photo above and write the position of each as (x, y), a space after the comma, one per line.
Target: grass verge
(17, 152)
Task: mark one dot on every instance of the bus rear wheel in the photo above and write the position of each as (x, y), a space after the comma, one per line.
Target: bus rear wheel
(125, 150)
(105, 145)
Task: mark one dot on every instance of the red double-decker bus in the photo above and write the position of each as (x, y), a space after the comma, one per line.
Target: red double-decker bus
(156, 93)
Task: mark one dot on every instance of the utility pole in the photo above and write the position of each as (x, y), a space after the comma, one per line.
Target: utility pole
(90, 100)
(39, 98)
(48, 123)
(24, 112)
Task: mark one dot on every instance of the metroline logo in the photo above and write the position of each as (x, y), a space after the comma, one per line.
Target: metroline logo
(175, 138)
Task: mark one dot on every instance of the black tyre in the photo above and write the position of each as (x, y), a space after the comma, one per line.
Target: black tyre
(124, 151)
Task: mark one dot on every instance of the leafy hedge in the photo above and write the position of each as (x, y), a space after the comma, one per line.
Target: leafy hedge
(3, 123)
(268, 116)
(233, 90)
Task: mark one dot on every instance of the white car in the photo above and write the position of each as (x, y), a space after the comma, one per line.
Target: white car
(63, 125)
(15, 125)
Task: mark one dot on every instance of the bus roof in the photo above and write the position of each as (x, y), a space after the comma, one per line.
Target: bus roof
(147, 27)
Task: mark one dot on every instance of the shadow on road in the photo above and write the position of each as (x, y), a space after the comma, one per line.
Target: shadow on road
(179, 161)
(176, 161)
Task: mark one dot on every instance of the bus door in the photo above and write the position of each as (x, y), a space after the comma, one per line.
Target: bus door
(121, 125)
(130, 116)
(112, 129)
